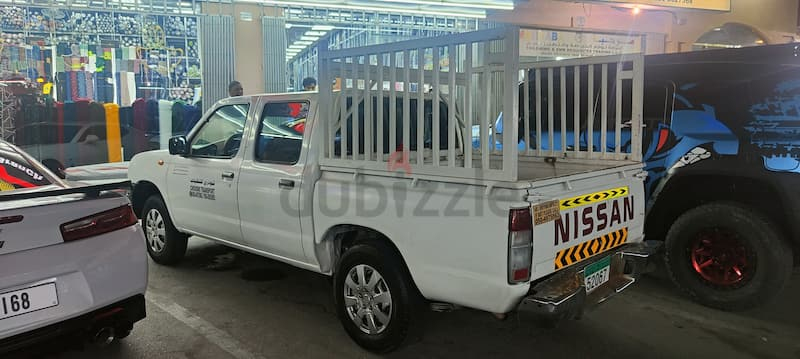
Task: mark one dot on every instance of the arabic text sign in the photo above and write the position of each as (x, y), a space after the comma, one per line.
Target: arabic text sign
(571, 44)
(720, 5)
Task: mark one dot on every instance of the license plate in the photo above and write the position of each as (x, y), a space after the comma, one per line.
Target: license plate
(28, 300)
(596, 274)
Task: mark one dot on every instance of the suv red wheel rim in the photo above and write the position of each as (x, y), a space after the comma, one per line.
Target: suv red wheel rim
(721, 258)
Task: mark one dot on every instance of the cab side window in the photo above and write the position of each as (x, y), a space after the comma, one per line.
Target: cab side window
(221, 135)
(280, 133)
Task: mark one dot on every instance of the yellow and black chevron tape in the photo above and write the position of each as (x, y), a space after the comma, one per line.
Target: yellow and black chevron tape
(583, 200)
(591, 248)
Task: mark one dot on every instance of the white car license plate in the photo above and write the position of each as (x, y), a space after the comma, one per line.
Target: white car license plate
(596, 274)
(28, 300)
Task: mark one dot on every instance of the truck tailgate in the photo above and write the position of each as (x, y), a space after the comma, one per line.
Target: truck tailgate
(582, 216)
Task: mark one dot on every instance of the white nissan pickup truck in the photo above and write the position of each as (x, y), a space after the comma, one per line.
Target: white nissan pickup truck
(393, 180)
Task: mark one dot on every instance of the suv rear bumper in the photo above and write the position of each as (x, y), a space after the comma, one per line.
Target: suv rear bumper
(563, 295)
(120, 315)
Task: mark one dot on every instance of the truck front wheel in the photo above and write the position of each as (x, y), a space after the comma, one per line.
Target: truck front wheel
(164, 243)
(727, 256)
(375, 300)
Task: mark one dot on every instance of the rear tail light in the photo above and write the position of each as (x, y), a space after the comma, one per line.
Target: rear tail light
(99, 223)
(520, 245)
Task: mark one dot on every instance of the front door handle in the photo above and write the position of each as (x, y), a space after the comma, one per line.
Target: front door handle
(286, 184)
(227, 175)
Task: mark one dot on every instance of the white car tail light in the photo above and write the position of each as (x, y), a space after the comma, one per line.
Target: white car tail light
(99, 223)
(520, 245)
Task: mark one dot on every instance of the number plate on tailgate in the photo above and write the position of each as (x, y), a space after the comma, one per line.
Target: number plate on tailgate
(28, 300)
(596, 274)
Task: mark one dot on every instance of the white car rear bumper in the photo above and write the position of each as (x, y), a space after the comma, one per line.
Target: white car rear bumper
(89, 274)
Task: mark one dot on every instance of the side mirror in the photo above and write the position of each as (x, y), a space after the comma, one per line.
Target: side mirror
(91, 139)
(178, 145)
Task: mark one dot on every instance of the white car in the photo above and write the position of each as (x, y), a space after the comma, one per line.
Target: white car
(72, 257)
(83, 144)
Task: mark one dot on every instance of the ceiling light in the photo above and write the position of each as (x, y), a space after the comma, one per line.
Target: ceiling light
(299, 47)
(303, 42)
(309, 38)
(315, 33)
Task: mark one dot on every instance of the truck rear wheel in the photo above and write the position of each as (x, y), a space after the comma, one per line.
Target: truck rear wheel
(164, 243)
(727, 256)
(375, 300)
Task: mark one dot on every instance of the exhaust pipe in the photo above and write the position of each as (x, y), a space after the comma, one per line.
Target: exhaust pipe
(103, 336)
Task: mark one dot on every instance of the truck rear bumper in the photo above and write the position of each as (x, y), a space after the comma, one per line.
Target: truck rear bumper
(564, 295)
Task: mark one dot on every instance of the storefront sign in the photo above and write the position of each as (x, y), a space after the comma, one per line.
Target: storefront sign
(571, 44)
(720, 5)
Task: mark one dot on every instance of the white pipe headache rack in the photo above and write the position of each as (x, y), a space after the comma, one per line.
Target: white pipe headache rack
(433, 106)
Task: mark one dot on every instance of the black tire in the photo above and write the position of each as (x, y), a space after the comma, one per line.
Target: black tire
(406, 300)
(174, 242)
(764, 257)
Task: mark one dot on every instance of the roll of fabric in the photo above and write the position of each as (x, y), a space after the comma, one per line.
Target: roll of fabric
(131, 87)
(73, 86)
(97, 117)
(75, 63)
(48, 65)
(139, 123)
(118, 89)
(81, 77)
(83, 150)
(90, 86)
(58, 117)
(126, 123)
(61, 85)
(82, 112)
(113, 132)
(164, 122)
(70, 128)
(152, 116)
(97, 113)
(191, 116)
(100, 87)
(178, 110)
(124, 94)
(66, 88)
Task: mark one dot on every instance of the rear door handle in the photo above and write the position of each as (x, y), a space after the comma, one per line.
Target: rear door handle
(286, 184)
(227, 175)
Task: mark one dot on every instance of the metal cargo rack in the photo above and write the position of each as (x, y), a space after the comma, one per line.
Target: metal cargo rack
(476, 78)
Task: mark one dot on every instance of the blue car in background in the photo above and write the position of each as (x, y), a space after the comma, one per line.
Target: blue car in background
(722, 150)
